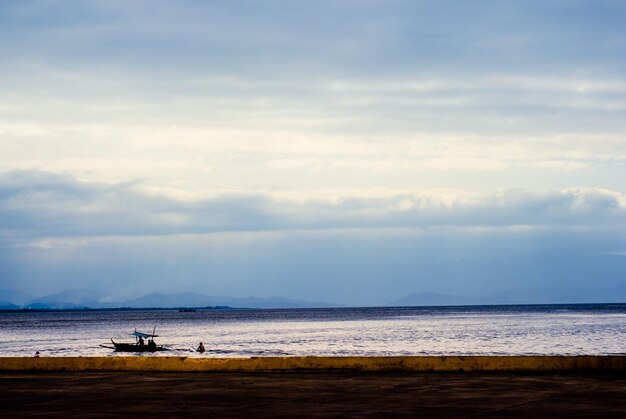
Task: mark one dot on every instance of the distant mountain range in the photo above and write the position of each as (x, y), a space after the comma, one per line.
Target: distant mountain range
(14, 297)
(188, 299)
(73, 299)
(67, 299)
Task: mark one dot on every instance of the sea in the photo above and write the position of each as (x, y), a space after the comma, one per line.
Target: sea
(580, 329)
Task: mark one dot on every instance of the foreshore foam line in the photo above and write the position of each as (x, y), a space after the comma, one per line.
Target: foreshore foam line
(357, 363)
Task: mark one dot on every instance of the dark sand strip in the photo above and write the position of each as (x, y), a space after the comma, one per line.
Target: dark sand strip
(311, 394)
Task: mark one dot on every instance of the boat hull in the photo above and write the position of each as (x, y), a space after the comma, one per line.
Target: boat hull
(132, 347)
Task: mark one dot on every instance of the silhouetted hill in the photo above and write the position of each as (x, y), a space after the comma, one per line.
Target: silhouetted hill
(76, 298)
(183, 299)
(187, 299)
(15, 297)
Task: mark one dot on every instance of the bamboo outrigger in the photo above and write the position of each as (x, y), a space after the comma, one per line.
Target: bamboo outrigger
(139, 345)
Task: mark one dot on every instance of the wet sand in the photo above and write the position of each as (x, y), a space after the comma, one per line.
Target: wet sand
(311, 394)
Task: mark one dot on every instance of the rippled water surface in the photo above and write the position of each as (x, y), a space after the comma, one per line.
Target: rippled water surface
(486, 330)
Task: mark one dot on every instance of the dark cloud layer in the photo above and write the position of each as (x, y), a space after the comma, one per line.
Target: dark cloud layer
(281, 38)
(51, 205)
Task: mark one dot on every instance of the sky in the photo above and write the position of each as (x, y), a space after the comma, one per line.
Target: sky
(351, 152)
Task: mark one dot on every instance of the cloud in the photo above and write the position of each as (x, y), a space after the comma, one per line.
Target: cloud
(43, 204)
(250, 132)
(191, 92)
(617, 253)
(281, 38)
(347, 266)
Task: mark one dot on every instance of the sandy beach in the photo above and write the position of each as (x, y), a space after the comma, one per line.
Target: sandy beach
(312, 394)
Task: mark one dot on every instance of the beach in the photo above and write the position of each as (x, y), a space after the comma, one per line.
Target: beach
(518, 361)
(516, 386)
(312, 394)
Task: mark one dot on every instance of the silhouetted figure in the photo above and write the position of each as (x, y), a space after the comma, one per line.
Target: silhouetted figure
(200, 348)
(151, 345)
(37, 354)
(141, 342)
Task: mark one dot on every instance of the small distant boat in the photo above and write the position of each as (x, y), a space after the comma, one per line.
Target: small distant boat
(140, 344)
(186, 310)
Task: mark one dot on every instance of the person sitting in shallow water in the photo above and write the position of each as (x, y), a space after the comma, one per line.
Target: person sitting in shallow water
(200, 348)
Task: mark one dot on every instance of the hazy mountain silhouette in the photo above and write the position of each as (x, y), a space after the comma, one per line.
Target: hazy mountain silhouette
(187, 299)
(68, 299)
(5, 305)
(14, 297)
(80, 298)
(183, 299)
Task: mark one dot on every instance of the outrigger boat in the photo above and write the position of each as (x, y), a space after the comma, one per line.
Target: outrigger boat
(139, 345)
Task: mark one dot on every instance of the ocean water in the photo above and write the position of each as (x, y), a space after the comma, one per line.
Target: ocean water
(598, 329)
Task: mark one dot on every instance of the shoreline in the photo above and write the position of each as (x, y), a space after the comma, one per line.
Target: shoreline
(591, 363)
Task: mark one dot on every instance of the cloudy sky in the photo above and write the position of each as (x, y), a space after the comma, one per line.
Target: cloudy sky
(352, 152)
